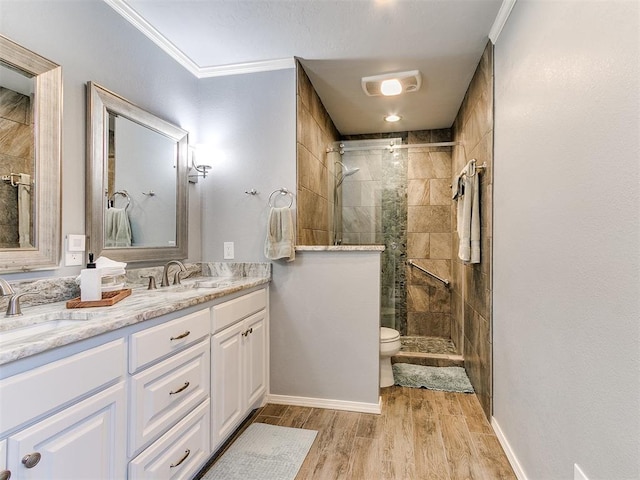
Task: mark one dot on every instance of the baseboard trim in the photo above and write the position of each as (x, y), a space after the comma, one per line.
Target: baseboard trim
(511, 456)
(360, 407)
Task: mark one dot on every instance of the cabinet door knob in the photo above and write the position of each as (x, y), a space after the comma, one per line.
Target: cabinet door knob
(182, 335)
(186, 454)
(5, 474)
(31, 459)
(186, 384)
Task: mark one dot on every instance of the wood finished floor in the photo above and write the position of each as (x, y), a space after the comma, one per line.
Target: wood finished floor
(421, 434)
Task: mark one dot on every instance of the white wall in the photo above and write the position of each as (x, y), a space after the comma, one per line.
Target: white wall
(567, 235)
(325, 328)
(92, 42)
(250, 121)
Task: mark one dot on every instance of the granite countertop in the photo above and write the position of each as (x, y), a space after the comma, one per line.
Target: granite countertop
(45, 327)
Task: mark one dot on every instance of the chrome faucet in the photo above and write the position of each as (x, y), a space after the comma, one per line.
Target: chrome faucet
(5, 288)
(165, 273)
(13, 307)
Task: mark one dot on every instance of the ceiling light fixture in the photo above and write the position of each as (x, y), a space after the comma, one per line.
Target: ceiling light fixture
(392, 118)
(405, 82)
(391, 87)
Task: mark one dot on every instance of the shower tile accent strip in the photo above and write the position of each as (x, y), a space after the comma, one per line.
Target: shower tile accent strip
(394, 233)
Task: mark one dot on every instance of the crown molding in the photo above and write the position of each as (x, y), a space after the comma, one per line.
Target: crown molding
(501, 19)
(135, 19)
(249, 67)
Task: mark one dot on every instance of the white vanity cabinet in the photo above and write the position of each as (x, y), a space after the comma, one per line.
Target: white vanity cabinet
(169, 431)
(136, 402)
(239, 361)
(4, 473)
(67, 419)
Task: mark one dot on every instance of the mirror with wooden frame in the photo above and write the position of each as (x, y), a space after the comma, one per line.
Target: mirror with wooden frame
(30, 151)
(136, 181)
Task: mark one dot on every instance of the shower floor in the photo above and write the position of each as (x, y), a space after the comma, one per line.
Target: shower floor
(437, 345)
(432, 351)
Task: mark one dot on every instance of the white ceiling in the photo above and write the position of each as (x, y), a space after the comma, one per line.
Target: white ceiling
(338, 42)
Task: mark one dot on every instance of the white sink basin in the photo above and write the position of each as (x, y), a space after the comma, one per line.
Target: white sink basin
(35, 329)
(190, 285)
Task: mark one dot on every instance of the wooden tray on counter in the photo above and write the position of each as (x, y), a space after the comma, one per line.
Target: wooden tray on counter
(108, 299)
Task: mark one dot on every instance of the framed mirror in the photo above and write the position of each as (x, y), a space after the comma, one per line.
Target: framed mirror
(30, 142)
(136, 181)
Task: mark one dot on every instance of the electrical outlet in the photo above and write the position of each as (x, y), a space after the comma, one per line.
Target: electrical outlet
(228, 251)
(73, 258)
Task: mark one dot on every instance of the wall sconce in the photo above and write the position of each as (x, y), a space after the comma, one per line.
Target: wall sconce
(201, 170)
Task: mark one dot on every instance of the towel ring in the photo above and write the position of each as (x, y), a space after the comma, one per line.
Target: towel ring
(281, 191)
(122, 193)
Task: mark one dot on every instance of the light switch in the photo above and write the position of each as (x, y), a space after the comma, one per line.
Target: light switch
(75, 243)
(228, 251)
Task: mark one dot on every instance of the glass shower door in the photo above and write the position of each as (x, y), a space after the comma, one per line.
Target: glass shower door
(371, 209)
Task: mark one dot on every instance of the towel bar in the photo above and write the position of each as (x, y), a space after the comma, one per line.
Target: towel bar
(281, 191)
(122, 193)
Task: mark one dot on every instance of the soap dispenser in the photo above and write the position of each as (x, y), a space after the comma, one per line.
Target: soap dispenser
(90, 282)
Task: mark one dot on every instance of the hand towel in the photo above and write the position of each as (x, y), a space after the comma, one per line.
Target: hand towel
(469, 220)
(110, 267)
(24, 210)
(280, 235)
(117, 228)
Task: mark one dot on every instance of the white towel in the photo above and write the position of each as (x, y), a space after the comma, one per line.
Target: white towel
(469, 220)
(117, 228)
(457, 187)
(24, 210)
(110, 267)
(280, 235)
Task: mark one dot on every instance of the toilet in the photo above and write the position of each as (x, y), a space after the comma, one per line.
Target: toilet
(389, 346)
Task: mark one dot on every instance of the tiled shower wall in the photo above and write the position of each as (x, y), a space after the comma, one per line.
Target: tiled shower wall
(316, 132)
(429, 234)
(471, 288)
(16, 157)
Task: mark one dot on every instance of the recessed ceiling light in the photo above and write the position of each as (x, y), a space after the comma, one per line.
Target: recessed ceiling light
(391, 87)
(392, 118)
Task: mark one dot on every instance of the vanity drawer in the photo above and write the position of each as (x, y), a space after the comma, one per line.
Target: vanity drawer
(179, 453)
(154, 343)
(228, 313)
(164, 393)
(29, 395)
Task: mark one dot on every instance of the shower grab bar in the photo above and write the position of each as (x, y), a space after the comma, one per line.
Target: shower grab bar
(415, 265)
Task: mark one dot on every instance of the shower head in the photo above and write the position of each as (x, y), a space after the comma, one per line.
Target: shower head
(345, 172)
(348, 172)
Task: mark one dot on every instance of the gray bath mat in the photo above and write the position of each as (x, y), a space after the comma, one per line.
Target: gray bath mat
(446, 379)
(264, 452)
